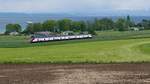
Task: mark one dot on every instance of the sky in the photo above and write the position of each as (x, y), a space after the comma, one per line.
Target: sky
(94, 7)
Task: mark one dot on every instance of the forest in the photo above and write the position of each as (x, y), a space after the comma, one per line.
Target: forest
(58, 26)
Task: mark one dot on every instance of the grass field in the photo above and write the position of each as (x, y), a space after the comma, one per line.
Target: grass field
(107, 47)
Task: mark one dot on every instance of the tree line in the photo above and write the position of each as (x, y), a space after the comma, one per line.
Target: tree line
(57, 26)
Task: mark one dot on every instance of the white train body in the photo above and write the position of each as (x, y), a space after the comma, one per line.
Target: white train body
(59, 38)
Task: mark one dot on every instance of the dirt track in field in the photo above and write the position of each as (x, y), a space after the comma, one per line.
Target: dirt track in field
(75, 74)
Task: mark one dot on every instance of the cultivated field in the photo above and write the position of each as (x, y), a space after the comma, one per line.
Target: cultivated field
(19, 58)
(75, 74)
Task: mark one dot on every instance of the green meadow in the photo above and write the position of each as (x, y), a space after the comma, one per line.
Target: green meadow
(106, 47)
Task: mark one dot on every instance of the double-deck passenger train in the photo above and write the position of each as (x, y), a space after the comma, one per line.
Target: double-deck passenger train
(44, 38)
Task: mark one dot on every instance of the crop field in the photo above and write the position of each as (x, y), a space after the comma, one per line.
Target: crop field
(107, 47)
(77, 61)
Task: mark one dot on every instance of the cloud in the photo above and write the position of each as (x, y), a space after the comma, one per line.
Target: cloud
(75, 6)
(131, 5)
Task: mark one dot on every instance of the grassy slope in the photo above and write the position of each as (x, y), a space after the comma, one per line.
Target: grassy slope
(145, 48)
(92, 51)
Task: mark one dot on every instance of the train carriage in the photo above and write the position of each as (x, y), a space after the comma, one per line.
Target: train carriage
(44, 38)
